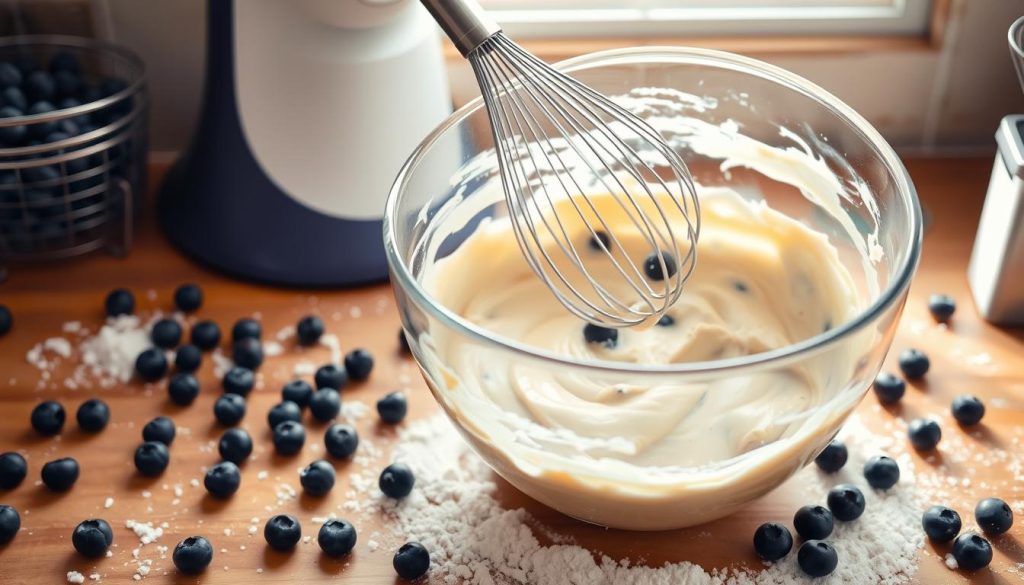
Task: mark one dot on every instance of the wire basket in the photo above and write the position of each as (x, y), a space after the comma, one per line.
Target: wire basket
(71, 175)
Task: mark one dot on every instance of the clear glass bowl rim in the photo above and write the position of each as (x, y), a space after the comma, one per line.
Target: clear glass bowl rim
(690, 56)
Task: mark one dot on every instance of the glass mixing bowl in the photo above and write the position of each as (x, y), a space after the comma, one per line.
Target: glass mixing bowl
(873, 220)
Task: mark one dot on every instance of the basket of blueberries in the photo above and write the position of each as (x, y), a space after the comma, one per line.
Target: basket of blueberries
(72, 147)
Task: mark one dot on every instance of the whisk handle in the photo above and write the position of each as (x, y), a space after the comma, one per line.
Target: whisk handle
(463, 21)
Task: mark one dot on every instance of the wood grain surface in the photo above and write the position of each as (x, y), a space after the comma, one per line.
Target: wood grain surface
(44, 297)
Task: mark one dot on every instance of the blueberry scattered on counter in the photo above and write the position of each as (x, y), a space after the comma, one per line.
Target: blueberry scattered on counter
(833, 457)
(248, 353)
(881, 472)
(166, 333)
(330, 376)
(6, 320)
(606, 336)
(942, 307)
(60, 474)
(192, 555)
(666, 321)
(341, 440)
(325, 404)
(283, 411)
(92, 538)
(120, 302)
(396, 481)
(653, 267)
(941, 524)
(222, 480)
(235, 445)
(161, 429)
(309, 329)
(403, 342)
(188, 298)
(993, 515)
(289, 437)
(13, 470)
(411, 561)
(297, 391)
(600, 241)
(914, 363)
(188, 358)
(846, 502)
(48, 417)
(336, 538)
(246, 328)
(282, 532)
(924, 433)
(151, 458)
(813, 522)
(229, 409)
(93, 415)
(238, 381)
(393, 407)
(772, 541)
(10, 523)
(205, 335)
(968, 410)
(889, 388)
(151, 365)
(817, 558)
(358, 364)
(183, 388)
(972, 552)
(317, 478)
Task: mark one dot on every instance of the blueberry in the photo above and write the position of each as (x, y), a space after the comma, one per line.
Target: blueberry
(40, 86)
(653, 267)
(888, 388)
(289, 436)
(393, 407)
(222, 480)
(13, 97)
(846, 502)
(66, 84)
(235, 445)
(282, 532)
(813, 522)
(160, 429)
(833, 457)
(341, 440)
(238, 381)
(358, 364)
(151, 458)
(93, 415)
(56, 137)
(92, 538)
(13, 470)
(881, 472)
(968, 410)
(10, 524)
(65, 61)
(941, 524)
(60, 474)
(192, 555)
(166, 333)
(606, 336)
(188, 358)
(336, 538)
(914, 363)
(772, 541)
(229, 409)
(151, 365)
(317, 478)
(248, 353)
(396, 481)
(942, 307)
(297, 391)
(994, 516)
(330, 376)
(283, 411)
(972, 552)
(666, 321)
(309, 329)
(188, 298)
(12, 136)
(246, 329)
(48, 417)
(6, 320)
(403, 342)
(924, 433)
(183, 388)
(120, 302)
(817, 558)
(325, 404)
(40, 130)
(411, 561)
(9, 75)
(600, 241)
(206, 335)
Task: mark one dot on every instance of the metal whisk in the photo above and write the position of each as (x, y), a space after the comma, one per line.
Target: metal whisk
(560, 144)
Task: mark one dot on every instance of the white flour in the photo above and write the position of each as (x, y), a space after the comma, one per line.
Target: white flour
(108, 357)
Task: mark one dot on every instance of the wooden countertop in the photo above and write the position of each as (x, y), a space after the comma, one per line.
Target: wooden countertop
(42, 298)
